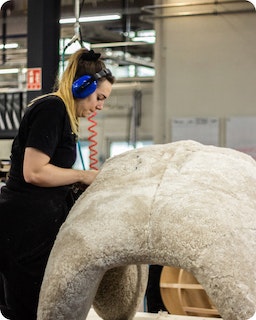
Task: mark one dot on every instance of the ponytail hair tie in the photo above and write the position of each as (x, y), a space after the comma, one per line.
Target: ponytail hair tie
(90, 56)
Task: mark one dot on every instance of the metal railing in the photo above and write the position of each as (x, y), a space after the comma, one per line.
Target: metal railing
(12, 106)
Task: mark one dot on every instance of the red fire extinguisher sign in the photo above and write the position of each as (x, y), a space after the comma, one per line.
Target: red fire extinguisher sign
(34, 79)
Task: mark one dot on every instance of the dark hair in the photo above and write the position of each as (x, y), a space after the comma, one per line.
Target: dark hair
(82, 62)
(89, 63)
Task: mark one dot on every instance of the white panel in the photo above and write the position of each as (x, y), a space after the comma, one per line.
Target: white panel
(241, 134)
(204, 130)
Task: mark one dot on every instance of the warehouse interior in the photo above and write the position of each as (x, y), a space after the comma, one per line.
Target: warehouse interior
(181, 68)
(117, 37)
(185, 70)
(122, 45)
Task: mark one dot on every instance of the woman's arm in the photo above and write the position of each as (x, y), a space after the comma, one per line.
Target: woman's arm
(38, 171)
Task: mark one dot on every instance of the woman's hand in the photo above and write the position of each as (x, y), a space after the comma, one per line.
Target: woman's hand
(88, 176)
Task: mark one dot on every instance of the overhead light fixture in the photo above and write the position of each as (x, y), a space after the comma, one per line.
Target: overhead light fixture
(9, 71)
(13, 70)
(9, 46)
(144, 39)
(148, 36)
(91, 19)
(146, 33)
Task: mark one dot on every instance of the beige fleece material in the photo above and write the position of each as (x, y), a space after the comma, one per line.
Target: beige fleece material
(181, 204)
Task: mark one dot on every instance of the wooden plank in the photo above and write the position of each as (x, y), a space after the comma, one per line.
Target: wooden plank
(182, 286)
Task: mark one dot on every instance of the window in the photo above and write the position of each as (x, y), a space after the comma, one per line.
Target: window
(82, 159)
(117, 147)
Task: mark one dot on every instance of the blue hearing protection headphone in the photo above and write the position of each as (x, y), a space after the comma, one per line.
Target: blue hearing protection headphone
(86, 85)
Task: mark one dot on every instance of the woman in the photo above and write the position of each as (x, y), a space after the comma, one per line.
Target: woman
(33, 204)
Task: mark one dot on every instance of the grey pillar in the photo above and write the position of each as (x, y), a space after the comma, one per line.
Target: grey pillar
(43, 41)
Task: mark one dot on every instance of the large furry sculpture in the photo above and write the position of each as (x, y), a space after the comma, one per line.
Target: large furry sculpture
(181, 204)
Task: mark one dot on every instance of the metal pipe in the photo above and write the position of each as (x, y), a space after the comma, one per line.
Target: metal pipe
(77, 25)
(150, 9)
(192, 14)
(187, 4)
(119, 44)
(77, 8)
(4, 15)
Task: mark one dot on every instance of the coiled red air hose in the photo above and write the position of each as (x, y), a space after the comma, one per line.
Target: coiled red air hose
(92, 142)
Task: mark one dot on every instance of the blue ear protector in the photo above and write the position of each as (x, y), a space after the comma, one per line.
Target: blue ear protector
(86, 85)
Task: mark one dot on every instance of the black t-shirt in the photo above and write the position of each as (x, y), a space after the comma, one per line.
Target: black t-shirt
(46, 127)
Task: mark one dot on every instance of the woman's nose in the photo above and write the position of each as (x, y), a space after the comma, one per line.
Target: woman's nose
(100, 105)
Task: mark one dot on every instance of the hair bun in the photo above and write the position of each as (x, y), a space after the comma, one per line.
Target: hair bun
(90, 56)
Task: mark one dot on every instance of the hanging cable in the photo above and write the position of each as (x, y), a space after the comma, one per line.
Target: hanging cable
(77, 31)
(80, 32)
(77, 37)
(80, 154)
(93, 142)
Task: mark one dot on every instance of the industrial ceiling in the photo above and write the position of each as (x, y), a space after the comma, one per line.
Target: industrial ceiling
(111, 36)
(115, 39)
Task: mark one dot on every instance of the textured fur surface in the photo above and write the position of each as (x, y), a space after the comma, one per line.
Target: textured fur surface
(181, 204)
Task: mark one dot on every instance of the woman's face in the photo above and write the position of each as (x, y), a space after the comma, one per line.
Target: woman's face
(95, 101)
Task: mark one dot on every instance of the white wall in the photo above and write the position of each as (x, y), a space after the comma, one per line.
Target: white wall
(206, 66)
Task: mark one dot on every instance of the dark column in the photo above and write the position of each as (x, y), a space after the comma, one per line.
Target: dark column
(43, 42)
